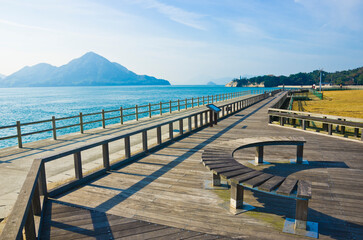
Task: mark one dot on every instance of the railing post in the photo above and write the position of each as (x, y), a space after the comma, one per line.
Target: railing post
(78, 165)
(198, 101)
(144, 141)
(36, 202)
(136, 113)
(81, 122)
(18, 130)
(330, 129)
(54, 128)
(29, 225)
(103, 119)
(106, 156)
(192, 102)
(203, 100)
(189, 124)
(121, 116)
(161, 108)
(158, 135)
(171, 131)
(170, 106)
(186, 103)
(42, 182)
(208, 99)
(127, 147)
(179, 105)
(149, 110)
(181, 131)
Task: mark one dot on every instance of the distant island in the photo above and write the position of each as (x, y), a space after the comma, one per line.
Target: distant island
(211, 83)
(89, 70)
(349, 77)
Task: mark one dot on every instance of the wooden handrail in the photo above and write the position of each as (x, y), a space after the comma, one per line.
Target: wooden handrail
(19, 217)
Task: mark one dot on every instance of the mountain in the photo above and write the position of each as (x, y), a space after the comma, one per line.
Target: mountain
(348, 77)
(89, 70)
(2, 76)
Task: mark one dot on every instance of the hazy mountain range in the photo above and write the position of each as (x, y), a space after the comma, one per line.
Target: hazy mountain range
(89, 70)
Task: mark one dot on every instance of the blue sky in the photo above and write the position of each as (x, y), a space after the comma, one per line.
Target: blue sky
(186, 41)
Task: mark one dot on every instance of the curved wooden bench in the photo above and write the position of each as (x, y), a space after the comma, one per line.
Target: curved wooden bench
(220, 161)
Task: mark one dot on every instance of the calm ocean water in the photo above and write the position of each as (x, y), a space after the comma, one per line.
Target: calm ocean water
(35, 104)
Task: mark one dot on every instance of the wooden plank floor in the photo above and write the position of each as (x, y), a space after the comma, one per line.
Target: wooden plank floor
(167, 187)
(66, 221)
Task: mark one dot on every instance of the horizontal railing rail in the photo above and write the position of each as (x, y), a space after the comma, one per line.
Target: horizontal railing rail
(34, 193)
(306, 119)
(54, 124)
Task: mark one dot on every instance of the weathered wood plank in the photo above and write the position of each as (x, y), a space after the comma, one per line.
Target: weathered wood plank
(236, 172)
(287, 187)
(271, 183)
(243, 177)
(304, 189)
(254, 182)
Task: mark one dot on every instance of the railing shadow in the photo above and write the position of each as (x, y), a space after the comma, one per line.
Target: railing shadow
(75, 228)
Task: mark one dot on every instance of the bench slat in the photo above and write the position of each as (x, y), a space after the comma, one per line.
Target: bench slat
(208, 163)
(253, 182)
(211, 167)
(304, 189)
(287, 187)
(217, 158)
(271, 184)
(229, 169)
(243, 177)
(236, 173)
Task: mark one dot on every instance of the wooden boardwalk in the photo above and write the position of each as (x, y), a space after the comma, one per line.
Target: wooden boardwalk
(15, 162)
(167, 186)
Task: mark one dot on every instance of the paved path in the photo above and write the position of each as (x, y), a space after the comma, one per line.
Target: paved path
(167, 186)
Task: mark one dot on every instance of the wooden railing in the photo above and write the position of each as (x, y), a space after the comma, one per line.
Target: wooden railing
(306, 119)
(120, 115)
(34, 193)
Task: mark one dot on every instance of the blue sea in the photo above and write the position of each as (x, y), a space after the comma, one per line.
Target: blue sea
(35, 104)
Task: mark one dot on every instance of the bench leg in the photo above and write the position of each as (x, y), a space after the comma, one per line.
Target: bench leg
(301, 215)
(259, 155)
(236, 196)
(216, 180)
(299, 154)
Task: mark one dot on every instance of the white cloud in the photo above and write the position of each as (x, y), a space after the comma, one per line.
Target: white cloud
(179, 15)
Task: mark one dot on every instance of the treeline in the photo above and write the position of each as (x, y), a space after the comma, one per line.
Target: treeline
(349, 77)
